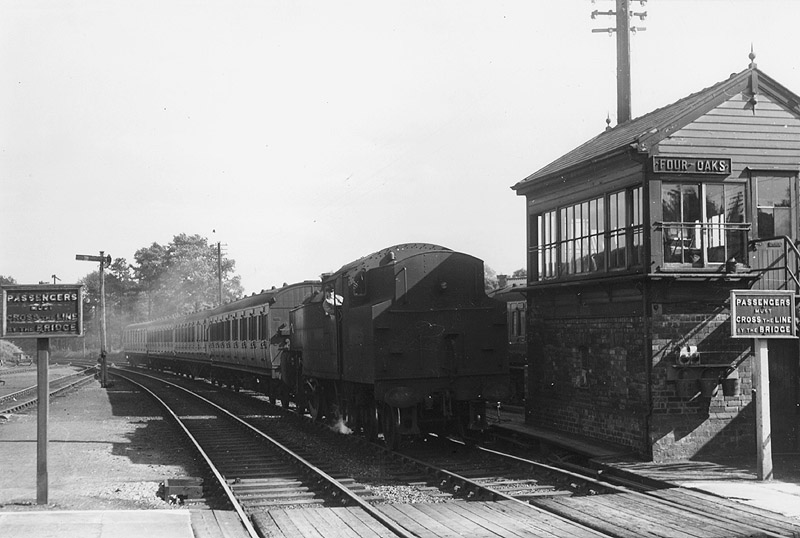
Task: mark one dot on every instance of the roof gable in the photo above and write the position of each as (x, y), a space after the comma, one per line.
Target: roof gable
(645, 132)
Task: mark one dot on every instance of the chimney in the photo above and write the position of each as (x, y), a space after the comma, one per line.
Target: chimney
(502, 281)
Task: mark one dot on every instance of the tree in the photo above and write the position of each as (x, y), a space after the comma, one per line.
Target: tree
(124, 301)
(7, 281)
(182, 277)
(520, 273)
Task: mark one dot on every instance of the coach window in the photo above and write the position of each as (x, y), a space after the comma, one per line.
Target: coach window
(703, 223)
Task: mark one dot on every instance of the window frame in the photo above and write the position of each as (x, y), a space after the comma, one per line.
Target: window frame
(550, 255)
(705, 230)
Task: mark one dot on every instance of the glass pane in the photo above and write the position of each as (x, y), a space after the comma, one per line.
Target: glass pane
(715, 203)
(734, 203)
(636, 202)
(691, 203)
(601, 215)
(774, 192)
(782, 225)
(671, 202)
(766, 223)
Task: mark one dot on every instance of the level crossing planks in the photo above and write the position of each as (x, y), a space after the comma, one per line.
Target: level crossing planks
(739, 513)
(633, 515)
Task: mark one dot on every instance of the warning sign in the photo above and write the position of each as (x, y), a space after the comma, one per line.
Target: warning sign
(42, 311)
(762, 314)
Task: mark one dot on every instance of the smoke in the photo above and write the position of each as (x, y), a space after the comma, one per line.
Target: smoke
(340, 427)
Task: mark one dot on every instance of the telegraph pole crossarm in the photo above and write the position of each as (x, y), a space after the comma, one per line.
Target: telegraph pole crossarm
(105, 261)
(623, 29)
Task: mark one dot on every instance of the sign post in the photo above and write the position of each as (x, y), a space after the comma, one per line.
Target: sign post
(762, 315)
(42, 312)
(105, 261)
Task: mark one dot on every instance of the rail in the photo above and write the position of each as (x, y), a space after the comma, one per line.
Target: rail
(22, 398)
(344, 491)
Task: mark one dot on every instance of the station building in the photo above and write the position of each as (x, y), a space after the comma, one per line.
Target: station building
(511, 291)
(635, 240)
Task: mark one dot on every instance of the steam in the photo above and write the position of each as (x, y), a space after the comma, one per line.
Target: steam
(340, 427)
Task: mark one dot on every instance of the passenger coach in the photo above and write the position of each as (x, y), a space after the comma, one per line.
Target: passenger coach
(235, 344)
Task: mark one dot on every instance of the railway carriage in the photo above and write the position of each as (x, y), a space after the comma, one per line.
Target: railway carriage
(233, 344)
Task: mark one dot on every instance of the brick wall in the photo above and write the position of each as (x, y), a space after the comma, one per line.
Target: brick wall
(587, 376)
(683, 425)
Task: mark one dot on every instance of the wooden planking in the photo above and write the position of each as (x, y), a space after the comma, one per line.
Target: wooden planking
(743, 155)
(502, 519)
(541, 523)
(760, 112)
(337, 522)
(676, 519)
(596, 517)
(726, 125)
(361, 522)
(764, 103)
(665, 523)
(496, 524)
(787, 142)
(633, 512)
(421, 526)
(461, 526)
(290, 528)
(217, 524)
(734, 511)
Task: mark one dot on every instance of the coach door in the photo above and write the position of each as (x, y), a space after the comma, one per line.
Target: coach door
(784, 395)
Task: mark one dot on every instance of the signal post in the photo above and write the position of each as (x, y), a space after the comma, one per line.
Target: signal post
(104, 261)
(42, 312)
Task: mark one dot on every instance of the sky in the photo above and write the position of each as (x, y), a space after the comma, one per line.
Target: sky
(303, 135)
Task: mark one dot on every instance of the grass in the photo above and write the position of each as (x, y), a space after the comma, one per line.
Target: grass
(8, 351)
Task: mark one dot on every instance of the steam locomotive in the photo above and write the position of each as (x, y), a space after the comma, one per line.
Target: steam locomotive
(401, 341)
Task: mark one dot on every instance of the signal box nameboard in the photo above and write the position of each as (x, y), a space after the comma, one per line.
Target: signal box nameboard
(43, 311)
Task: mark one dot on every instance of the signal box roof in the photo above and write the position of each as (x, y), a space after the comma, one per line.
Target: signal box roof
(643, 134)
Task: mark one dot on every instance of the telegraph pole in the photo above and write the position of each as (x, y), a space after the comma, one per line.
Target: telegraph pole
(105, 261)
(219, 269)
(623, 29)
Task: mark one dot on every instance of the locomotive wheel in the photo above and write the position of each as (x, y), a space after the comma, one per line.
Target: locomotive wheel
(301, 402)
(283, 394)
(391, 426)
(370, 421)
(315, 399)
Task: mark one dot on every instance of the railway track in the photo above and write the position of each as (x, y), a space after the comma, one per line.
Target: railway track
(576, 500)
(21, 399)
(255, 471)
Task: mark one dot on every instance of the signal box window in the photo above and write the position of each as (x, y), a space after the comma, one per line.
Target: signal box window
(703, 223)
(594, 236)
(774, 206)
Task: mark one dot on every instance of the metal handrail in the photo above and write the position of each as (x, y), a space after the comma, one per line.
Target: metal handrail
(788, 245)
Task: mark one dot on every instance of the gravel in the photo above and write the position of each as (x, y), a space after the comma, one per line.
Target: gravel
(108, 449)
